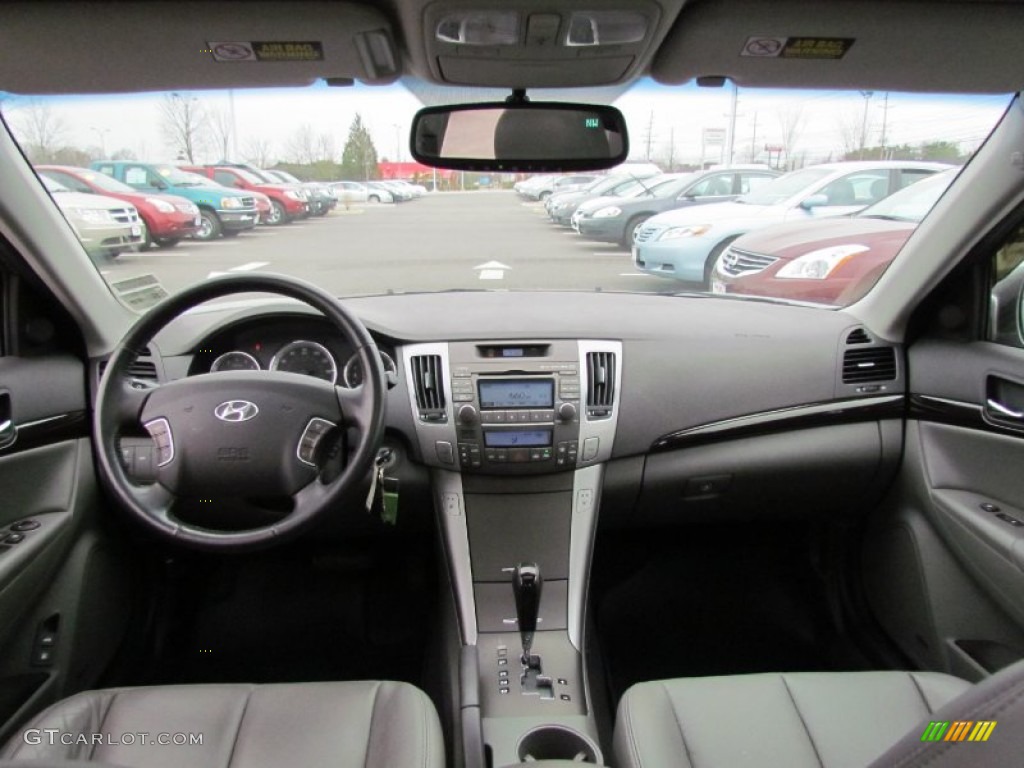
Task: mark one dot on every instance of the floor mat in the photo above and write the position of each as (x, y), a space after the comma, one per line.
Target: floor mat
(712, 601)
(298, 618)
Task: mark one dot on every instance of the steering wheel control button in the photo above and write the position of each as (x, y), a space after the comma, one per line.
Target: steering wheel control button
(310, 440)
(25, 525)
(1002, 516)
(988, 506)
(160, 431)
(14, 538)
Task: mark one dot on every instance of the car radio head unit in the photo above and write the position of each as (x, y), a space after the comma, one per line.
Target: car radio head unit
(538, 392)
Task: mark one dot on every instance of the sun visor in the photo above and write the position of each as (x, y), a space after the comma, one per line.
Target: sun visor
(146, 46)
(898, 45)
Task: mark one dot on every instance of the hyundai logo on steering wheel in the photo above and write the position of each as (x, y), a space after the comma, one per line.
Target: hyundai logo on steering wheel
(236, 410)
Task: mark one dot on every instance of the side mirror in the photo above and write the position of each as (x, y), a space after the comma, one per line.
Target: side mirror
(521, 137)
(158, 184)
(814, 201)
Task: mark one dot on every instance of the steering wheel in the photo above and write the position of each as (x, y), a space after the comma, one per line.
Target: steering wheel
(241, 434)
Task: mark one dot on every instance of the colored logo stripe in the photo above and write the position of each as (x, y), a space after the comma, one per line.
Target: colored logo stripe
(935, 731)
(958, 730)
(982, 730)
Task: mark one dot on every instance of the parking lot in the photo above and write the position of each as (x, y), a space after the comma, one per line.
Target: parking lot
(457, 240)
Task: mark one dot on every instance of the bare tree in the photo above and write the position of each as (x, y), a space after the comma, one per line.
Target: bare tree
(848, 125)
(40, 130)
(326, 150)
(183, 122)
(221, 128)
(791, 125)
(301, 146)
(305, 147)
(259, 152)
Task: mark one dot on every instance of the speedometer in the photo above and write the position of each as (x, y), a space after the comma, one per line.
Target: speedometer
(307, 357)
(235, 361)
(352, 374)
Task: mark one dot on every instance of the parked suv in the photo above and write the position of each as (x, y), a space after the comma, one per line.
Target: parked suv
(288, 201)
(222, 211)
(166, 218)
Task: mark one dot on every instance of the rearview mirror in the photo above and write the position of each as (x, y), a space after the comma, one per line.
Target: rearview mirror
(521, 137)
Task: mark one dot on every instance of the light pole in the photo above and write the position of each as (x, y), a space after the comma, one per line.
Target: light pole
(102, 134)
(398, 142)
(864, 123)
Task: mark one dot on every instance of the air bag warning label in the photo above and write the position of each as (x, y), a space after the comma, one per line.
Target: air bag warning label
(797, 47)
(309, 50)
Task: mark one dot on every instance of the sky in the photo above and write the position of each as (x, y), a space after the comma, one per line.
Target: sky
(671, 119)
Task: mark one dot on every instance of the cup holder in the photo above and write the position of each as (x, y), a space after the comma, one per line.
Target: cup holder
(555, 742)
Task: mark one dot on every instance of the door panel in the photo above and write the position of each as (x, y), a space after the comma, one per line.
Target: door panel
(960, 503)
(48, 502)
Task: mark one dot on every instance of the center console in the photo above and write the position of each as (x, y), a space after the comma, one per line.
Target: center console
(516, 433)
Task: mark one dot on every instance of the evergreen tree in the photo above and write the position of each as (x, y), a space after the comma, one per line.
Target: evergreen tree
(359, 158)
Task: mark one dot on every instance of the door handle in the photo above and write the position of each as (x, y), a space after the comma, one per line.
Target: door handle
(1002, 410)
(8, 430)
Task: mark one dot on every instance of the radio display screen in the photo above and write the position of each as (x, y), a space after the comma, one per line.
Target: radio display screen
(517, 393)
(518, 438)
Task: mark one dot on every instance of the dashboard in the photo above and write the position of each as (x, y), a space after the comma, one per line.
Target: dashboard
(715, 400)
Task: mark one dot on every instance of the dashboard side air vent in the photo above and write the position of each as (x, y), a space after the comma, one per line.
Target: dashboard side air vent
(861, 366)
(142, 368)
(429, 386)
(858, 336)
(600, 384)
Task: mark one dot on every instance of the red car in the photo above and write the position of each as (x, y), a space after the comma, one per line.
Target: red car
(168, 218)
(831, 261)
(288, 201)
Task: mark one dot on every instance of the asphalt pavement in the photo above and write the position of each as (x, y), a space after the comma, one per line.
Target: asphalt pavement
(442, 241)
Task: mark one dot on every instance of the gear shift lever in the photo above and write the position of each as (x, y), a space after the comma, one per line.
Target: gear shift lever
(526, 585)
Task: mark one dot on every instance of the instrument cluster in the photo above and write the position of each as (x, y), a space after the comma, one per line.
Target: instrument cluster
(307, 347)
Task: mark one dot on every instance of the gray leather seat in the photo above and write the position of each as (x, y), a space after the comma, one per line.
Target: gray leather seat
(308, 725)
(794, 720)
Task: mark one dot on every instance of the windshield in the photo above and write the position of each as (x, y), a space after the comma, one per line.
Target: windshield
(671, 186)
(177, 177)
(780, 190)
(913, 203)
(251, 177)
(53, 186)
(440, 230)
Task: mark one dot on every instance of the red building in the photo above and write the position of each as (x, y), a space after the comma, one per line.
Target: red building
(417, 173)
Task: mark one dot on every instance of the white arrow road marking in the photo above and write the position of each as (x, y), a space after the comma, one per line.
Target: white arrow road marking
(248, 267)
(492, 270)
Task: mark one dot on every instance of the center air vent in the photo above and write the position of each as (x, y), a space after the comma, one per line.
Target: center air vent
(858, 336)
(600, 384)
(861, 366)
(428, 382)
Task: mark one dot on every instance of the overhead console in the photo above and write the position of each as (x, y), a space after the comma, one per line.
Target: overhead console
(515, 408)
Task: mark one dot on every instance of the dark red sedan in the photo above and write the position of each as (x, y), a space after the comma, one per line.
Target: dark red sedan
(831, 261)
(168, 218)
